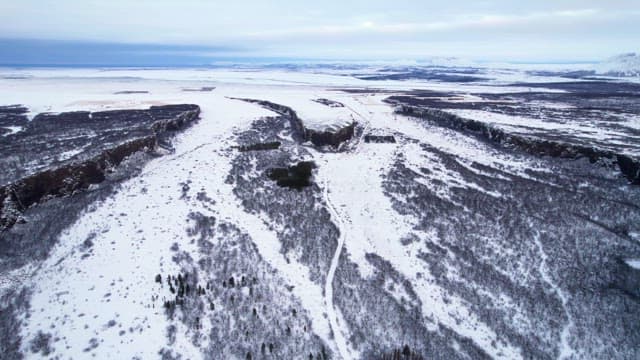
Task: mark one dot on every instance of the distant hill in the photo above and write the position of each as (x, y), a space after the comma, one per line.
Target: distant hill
(624, 65)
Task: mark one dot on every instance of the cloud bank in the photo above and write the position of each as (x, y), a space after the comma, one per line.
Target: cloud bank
(199, 29)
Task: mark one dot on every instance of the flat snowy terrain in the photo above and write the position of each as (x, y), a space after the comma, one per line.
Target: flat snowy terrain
(410, 240)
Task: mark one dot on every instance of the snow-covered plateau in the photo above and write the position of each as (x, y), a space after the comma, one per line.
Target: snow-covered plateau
(318, 213)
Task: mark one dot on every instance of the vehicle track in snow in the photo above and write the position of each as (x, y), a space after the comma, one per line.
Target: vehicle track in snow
(339, 337)
(342, 344)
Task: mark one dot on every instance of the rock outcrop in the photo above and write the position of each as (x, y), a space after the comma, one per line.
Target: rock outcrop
(328, 137)
(108, 141)
(628, 166)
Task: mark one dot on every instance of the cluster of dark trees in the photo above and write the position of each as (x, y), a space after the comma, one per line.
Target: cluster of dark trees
(272, 145)
(296, 176)
(404, 353)
(379, 139)
(179, 286)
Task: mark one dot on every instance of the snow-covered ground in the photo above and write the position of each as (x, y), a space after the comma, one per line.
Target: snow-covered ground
(579, 128)
(371, 225)
(96, 292)
(103, 291)
(131, 236)
(621, 65)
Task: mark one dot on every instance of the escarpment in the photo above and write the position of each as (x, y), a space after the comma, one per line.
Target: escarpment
(61, 154)
(333, 136)
(627, 165)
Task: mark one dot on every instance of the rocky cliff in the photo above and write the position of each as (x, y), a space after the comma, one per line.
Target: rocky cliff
(331, 137)
(102, 141)
(628, 166)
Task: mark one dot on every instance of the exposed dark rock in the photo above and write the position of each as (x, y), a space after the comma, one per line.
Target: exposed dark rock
(98, 155)
(627, 165)
(53, 140)
(299, 131)
(332, 137)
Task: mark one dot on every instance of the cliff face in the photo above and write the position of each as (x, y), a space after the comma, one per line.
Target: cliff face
(627, 165)
(114, 139)
(331, 137)
(301, 133)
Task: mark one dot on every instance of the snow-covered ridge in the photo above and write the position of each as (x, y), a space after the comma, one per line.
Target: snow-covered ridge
(623, 65)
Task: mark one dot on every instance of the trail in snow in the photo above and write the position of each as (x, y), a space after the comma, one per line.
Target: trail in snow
(566, 351)
(338, 335)
(357, 194)
(333, 313)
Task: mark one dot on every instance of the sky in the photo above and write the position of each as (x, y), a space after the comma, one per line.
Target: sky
(191, 32)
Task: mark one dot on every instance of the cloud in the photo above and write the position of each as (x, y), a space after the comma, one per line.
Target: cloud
(48, 52)
(477, 22)
(577, 29)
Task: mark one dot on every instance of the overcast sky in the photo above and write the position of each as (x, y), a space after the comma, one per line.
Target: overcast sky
(494, 30)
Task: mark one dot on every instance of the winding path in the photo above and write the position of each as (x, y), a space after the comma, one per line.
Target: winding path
(345, 350)
(566, 351)
(338, 335)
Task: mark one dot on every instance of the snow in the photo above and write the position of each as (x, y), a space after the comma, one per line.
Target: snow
(634, 263)
(132, 232)
(371, 225)
(338, 324)
(69, 154)
(12, 129)
(621, 65)
(584, 129)
(566, 351)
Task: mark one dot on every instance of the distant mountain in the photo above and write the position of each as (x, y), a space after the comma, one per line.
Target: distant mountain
(440, 61)
(623, 65)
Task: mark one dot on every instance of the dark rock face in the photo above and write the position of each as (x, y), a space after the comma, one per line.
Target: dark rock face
(627, 165)
(331, 137)
(102, 141)
(53, 140)
(301, 133)
(296, 177)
